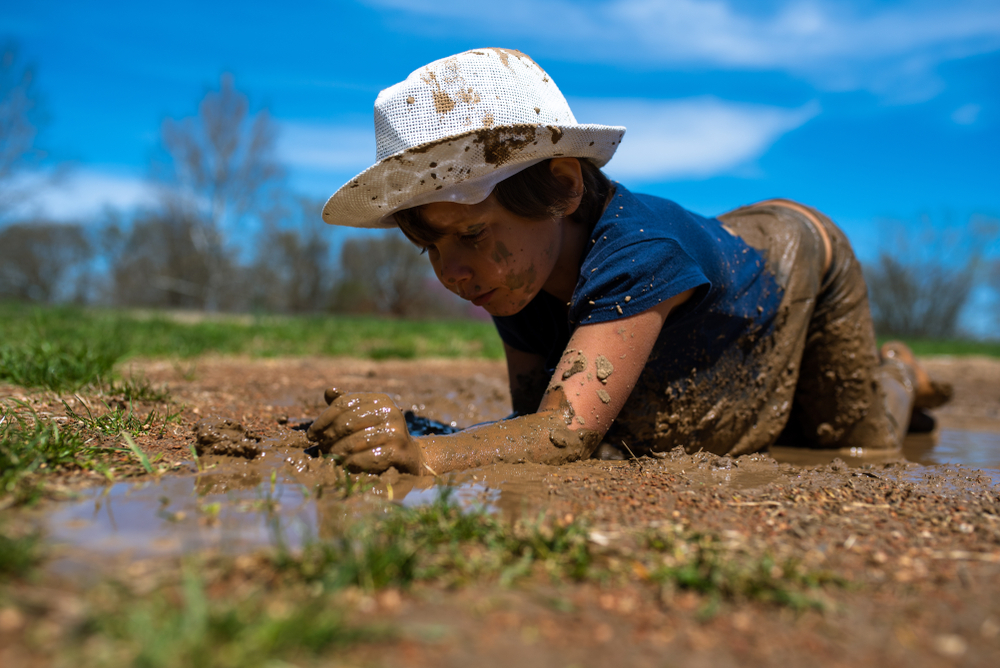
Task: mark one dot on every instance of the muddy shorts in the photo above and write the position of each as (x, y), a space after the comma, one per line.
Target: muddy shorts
(815, 380)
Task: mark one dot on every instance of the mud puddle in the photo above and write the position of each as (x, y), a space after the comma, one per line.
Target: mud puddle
(170, 517)
(231, 504)
(977, 451)
(952, 446)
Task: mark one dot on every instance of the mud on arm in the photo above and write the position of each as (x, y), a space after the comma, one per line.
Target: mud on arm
(591, 383)
(367, 431)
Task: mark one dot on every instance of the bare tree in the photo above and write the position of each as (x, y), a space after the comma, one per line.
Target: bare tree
(293, 269)
(924, 278)
(223, 165)
(386, 273)
(157, 264)
(918, 299)
(19, 122)
(42, 261)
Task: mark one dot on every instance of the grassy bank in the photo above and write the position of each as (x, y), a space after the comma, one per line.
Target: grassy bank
(958, 347)
(64, 346)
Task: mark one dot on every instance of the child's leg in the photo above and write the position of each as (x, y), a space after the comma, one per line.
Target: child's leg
(927, 393)
(848, 396)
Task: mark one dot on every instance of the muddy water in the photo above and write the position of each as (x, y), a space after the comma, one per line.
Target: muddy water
(170, 516)
(234, 504)
(970, 449)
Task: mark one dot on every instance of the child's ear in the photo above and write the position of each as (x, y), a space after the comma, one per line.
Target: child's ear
(568, 172)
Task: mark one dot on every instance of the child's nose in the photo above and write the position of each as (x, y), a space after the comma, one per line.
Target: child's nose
(452, 269)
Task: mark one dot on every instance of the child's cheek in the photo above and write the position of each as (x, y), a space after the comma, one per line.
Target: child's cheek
(552, 249)
(517, 280)
(500, 253)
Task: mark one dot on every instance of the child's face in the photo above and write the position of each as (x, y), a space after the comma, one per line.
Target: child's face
(490, 256)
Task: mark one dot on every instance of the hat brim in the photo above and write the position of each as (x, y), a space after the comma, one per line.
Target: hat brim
(457, 168)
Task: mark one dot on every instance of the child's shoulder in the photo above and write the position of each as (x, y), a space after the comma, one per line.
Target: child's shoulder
(648, 220)
(646, 249)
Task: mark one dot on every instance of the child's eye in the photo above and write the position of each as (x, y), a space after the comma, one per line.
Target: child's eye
(473, 238)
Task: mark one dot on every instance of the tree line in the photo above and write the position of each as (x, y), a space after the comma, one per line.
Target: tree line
(227, 234)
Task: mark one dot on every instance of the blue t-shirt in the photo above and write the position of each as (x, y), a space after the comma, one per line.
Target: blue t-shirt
(643, 251)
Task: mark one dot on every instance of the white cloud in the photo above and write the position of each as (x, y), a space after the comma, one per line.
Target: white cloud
(891, 50)
(81, 194)
(966, 114)
(690, 138)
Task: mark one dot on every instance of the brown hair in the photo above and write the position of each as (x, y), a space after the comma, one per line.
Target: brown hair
(533, 193)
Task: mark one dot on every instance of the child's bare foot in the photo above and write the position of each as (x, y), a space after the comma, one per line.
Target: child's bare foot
(928, 392)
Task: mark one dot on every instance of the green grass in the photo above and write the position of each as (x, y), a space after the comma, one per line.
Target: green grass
(137, 388)
(64, 348)
(960, 348)
(19, 554)
(182, 626)
(31, 447)
(700, 562)
(119, 420)
(56, 364)
(440, 541)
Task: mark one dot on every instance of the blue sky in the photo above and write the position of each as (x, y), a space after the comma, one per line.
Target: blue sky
(869, 110)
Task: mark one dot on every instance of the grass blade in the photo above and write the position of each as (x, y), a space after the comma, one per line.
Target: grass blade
(140, 455)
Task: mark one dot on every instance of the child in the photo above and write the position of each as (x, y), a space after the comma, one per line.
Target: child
(625, 319)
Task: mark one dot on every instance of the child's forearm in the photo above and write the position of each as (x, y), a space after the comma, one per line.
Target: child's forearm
(542, 438)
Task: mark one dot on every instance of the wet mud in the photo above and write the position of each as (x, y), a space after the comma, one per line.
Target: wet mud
(916, 533)
(247, 439)
(265, 451)
(223, 436)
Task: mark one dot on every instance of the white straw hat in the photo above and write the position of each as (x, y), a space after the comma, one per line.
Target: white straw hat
(458, 126)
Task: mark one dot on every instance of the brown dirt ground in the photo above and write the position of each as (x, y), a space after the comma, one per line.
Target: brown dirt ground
(919, 547)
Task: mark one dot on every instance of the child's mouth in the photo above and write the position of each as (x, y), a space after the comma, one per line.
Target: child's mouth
(483, 298)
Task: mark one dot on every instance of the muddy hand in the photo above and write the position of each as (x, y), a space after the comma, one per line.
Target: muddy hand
(367, 432)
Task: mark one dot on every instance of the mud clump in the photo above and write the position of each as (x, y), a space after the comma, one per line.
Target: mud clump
(579, 364)
(226, 437)
(604, 368)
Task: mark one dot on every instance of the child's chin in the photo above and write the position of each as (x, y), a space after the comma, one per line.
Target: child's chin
(501, 310)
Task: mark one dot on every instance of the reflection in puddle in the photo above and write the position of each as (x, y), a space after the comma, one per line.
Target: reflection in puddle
(469, 495)
(975, 450)
(170, 516)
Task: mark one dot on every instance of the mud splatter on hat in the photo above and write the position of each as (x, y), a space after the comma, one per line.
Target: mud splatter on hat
(458, 126)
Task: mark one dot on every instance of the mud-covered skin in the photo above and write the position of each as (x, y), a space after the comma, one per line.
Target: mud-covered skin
(816, 370)
(487, 255)
(367, 431)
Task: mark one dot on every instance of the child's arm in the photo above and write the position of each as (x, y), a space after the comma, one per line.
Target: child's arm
(589, 387)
